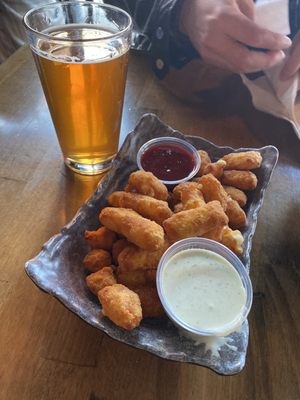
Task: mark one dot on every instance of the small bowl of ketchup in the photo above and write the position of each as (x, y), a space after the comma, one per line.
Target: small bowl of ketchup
(170, 159)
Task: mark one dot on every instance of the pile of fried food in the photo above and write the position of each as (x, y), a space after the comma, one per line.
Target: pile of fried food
(145, 219)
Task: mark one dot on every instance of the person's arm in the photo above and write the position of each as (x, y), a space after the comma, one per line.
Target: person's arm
(222, 32)
(158, 20)
(292, 63)
(225, 34)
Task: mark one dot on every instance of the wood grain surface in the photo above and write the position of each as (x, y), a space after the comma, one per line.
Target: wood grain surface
(48, 353)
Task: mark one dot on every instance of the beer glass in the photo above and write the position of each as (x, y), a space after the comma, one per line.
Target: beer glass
(81, 53)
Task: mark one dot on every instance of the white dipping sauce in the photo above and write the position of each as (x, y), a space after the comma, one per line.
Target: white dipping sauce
(203, 290)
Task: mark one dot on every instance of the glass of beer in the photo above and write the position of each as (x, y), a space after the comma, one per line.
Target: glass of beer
(81, 53)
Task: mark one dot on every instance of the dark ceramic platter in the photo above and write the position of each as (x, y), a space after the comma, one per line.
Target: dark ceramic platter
(58, 268)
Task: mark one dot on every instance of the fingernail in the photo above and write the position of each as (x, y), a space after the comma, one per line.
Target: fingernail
(286, 41)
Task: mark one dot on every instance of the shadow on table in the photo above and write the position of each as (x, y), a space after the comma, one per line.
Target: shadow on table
(78, 189)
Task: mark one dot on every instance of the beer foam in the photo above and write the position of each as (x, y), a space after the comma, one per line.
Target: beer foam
(59, 57)
(80, 44)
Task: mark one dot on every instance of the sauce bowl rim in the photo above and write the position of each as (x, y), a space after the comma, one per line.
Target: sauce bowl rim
(169, 139)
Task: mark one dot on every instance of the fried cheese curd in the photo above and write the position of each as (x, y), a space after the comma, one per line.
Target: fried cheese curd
(233, 239)
(121, 305)
(146, 206)
(244, 160)
(98, 280)
(141, 231)
(244, 180)
(237, 216)
(214, 234)
(132, 257)
(195, 222)
(146, 183)
(213, 190)
(96, 260)
(188, 195)
(205, 160)
(136, 278)
(118, 246)
(236, 194)
(216, 168)
(102, 238)
(150, 302)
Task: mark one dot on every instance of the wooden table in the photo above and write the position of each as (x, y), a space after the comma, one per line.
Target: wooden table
(46, 352)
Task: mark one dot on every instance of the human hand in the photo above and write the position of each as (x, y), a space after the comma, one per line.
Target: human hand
(292, 64)
(223, 30)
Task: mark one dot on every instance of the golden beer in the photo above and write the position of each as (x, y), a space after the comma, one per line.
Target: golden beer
(81, 53)
(85, 99)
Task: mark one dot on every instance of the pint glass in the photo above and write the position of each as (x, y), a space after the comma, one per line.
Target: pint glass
(81, 53)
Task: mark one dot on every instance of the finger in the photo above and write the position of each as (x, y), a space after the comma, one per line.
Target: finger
(241, 59)
(246, 8)
(249, 33)
(292, 64)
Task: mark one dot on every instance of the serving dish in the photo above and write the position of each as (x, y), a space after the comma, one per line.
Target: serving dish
(58, 270)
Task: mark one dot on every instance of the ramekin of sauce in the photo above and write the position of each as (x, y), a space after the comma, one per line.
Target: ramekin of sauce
(204, 287)
(170, 159)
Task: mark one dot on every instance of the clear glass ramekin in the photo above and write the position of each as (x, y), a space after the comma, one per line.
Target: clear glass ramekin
(178, 142)
(207, 244)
